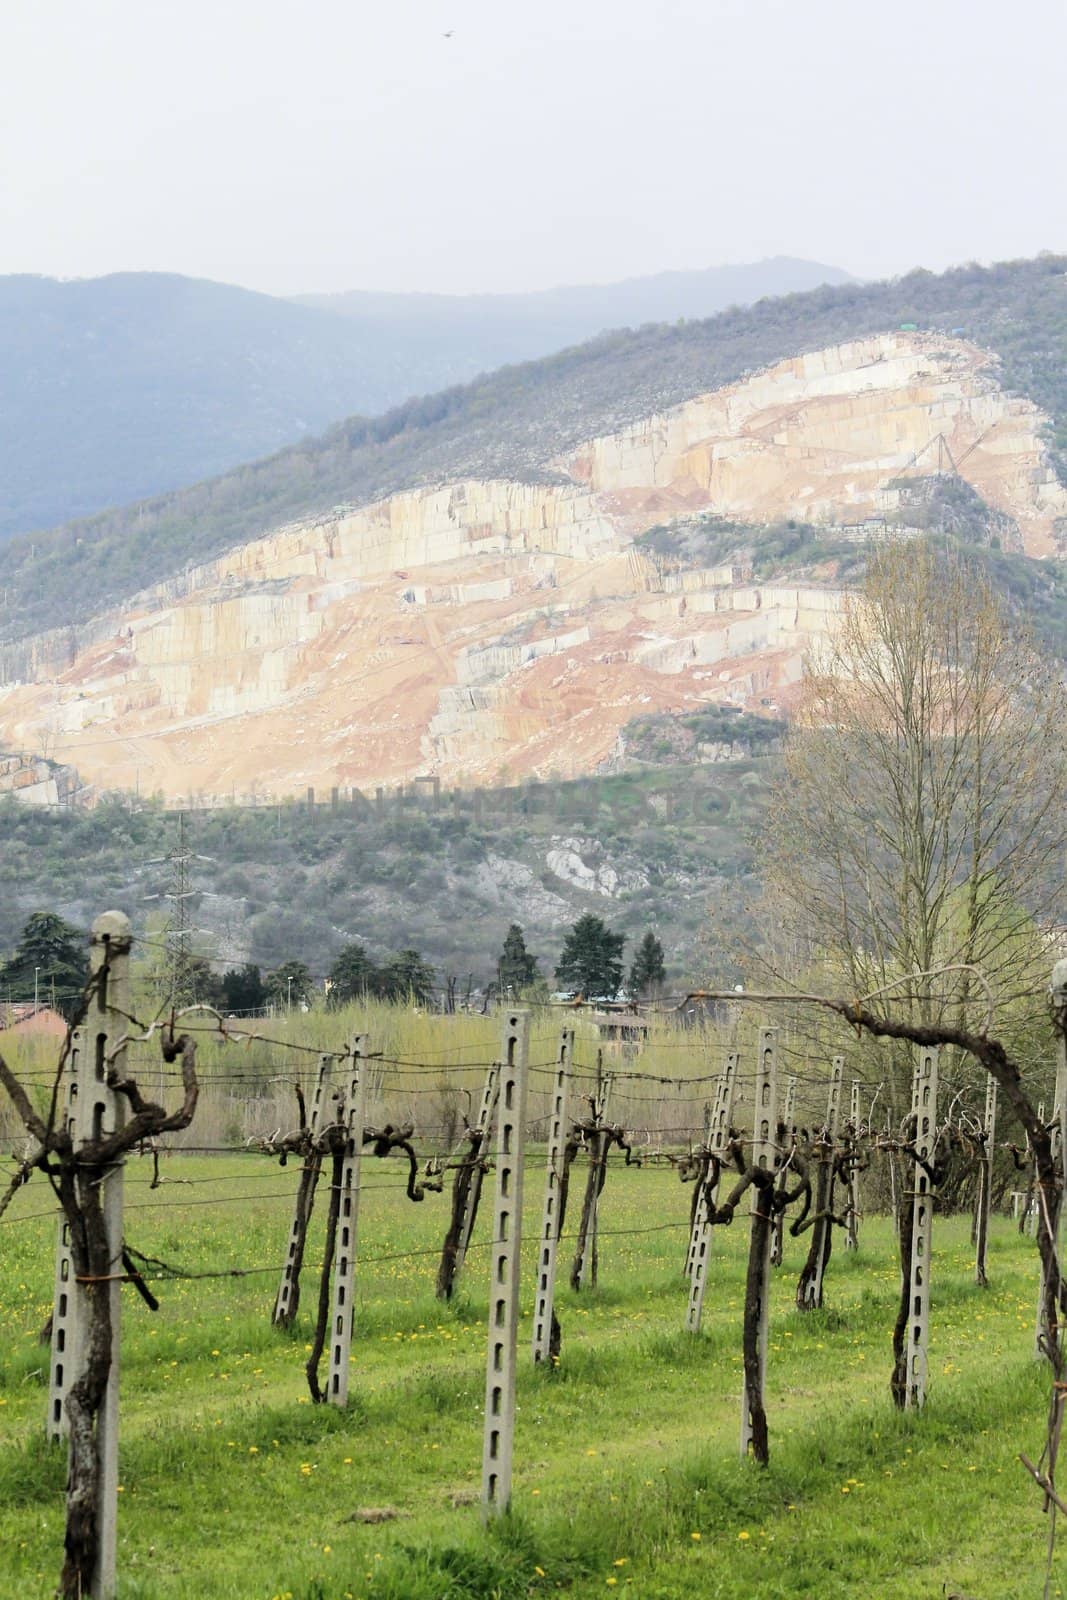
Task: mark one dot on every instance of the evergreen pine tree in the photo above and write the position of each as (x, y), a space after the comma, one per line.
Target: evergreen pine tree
(50, 953)
(591, 959)
(353, 976)
(647, 971)
(516, 968)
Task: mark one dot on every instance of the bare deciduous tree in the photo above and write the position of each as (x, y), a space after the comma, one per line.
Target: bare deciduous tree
(919, 824)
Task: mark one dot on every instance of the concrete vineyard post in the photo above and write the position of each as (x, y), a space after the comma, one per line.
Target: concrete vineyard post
(694, 1232)
(344, 1278)
(546, 1265)
(852, 1225)
(285, 1304)
(777, 1247)
(68, 1355)
(504, 1272)
(764, 1130)
(924, 1114)
(985, 1185)
(718, 1137)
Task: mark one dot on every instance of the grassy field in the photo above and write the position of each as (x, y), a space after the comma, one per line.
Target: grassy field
(627, 1477)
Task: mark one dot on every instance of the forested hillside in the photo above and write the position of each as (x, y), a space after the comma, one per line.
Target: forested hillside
(640, 850)
(513, 421)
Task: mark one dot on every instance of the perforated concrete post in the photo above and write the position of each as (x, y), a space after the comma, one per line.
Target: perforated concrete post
(718, 1136)
(924, 1112)
(852, 1235)
(823, 1225)
(546, 1264)
(833, 1097)
(289, 1288)
(700, 1208)
(985, 1185)
(486, 1112)
(786, 1119)
(101, 1112)
(764, 1129)
(344, 1272)
(68, 1355)
(694, 1231)
(504, 1273)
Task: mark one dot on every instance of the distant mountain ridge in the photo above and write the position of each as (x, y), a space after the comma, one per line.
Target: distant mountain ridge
(458, 336)
(118, 388)
(115, 388)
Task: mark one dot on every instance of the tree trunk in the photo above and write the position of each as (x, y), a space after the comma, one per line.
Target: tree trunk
(757, 1286)
(593, 1188)
(813, 1272)
(898, 1383)
(91, 1259)
(305, 1202)
(466, 1192)
(318, 1394)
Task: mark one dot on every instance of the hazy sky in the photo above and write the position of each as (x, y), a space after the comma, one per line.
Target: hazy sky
(333, 144)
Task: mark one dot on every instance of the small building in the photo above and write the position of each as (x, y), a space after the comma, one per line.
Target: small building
(621, 1032)
(27, 1020)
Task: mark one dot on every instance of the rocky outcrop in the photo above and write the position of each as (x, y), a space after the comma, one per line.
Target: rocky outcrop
(490, 629)
(36, 781)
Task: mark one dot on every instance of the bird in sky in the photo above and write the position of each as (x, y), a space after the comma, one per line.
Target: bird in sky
(449, 34)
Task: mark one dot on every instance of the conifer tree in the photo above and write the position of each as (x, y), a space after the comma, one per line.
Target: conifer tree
(591, 959)
(647, 971)
(516, 968)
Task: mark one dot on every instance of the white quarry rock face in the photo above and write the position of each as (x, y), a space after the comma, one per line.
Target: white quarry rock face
(569, 859)
(488, 630)
(512, 885)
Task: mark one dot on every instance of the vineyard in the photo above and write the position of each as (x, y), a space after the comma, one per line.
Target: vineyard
(623, 1256)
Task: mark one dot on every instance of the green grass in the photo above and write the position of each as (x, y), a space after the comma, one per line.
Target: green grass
(234, 1485)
